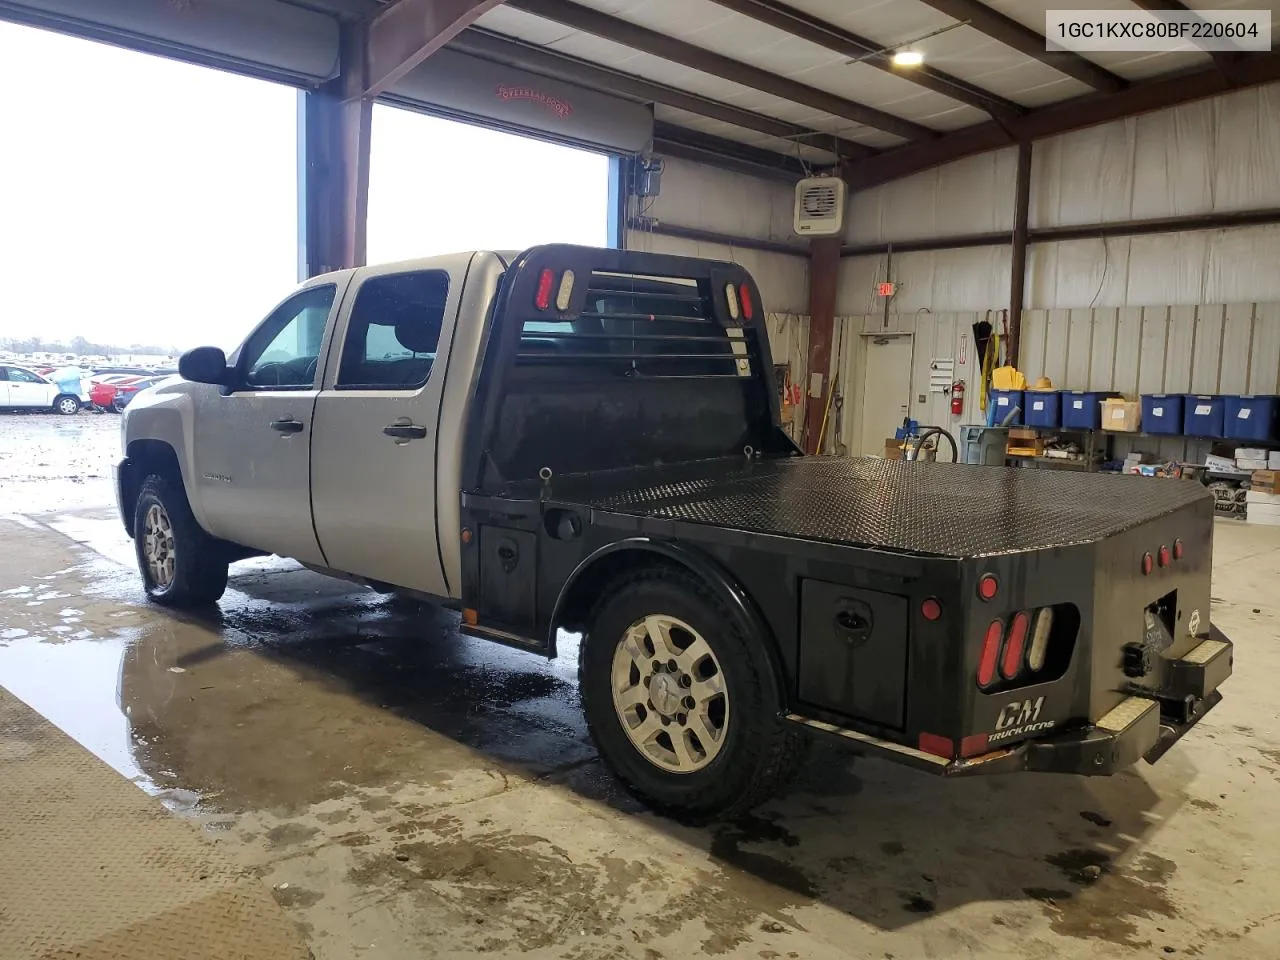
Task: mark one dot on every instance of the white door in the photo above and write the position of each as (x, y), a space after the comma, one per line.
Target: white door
(26, 389)
(886, 391)
(252, 442)
(377, 426)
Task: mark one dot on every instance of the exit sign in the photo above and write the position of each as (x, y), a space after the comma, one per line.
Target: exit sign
(886, 289)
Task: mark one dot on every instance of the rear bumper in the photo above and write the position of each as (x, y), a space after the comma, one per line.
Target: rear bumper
(1139, 727)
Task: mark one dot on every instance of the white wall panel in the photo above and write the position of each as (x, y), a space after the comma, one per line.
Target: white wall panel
(1083, 177)
(706, 198)
(941, 281)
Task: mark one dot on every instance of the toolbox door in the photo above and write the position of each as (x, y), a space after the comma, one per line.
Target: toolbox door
(853, 651)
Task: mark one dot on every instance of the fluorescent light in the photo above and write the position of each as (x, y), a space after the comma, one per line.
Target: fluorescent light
(908, 58)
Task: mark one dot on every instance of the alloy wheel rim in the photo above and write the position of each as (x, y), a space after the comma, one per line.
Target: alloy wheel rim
(158, 546)
(669, 694)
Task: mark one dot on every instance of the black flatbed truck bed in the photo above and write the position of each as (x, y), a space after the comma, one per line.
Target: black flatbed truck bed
(959, 618)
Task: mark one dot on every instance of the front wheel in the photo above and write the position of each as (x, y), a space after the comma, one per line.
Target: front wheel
(67, 405)
(683, 704)
(181, 565)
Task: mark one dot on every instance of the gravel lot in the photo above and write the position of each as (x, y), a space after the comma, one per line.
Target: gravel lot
(50, 463)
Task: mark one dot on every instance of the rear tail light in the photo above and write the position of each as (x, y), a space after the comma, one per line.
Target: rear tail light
(748, 308)
(1164, 555)
(565, 293)
(731, 297)
(1011, 662)
(1148, 564)
(931, 609)
(936, 745)
(988, 587)
(1040, 640)
(973, 745)
(990, 653)
(542, 299)
(1178, 549)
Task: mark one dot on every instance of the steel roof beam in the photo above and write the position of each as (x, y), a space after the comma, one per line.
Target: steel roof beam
(406, 32)
(516, 53)
(1026, 41)
(838, 40)
(1087, 111)
(668, 48)
(1223, 58)
(677, 141)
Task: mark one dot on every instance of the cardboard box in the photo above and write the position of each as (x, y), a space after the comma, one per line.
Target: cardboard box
(1251, 453)
(1219, 464)
(1121, 416)
(1273, 460)
(1243, 463)
(893, 449)
(1265, 481)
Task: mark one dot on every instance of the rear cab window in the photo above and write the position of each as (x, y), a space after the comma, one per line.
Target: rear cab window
(394, 331)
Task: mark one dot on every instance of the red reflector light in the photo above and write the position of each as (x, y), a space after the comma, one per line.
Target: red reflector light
(936, 745)
(988, 587)
(931, 609)
(1164, 555)
(1011, 662)
(990, 651)
(542, 299)
(1178, 549)
(1147, 564)
(973, 745)
(744, 296)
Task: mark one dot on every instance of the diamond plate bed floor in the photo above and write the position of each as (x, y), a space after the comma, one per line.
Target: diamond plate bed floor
(94, 869)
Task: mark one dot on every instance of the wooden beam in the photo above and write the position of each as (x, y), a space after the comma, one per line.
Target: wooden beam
(515, 53)
(587, 20)
(1026, 41)
(408, 31)
(1249, 71)
(1018, 260)
(824, 277)
(838, 40)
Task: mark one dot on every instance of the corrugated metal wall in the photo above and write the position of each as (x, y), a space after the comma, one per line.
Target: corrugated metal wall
(695, 195)
(1212, 156)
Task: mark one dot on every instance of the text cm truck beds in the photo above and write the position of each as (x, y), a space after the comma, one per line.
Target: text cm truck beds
(600, 432)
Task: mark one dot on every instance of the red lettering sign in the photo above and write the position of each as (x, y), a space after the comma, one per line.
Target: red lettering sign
(561, 108)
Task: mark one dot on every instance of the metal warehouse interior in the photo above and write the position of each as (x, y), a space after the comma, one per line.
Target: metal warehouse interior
(329, 772)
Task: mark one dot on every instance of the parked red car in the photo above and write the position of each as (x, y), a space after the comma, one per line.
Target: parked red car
(114, 394)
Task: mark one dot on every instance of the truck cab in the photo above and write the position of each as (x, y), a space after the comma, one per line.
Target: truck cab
(588, 440)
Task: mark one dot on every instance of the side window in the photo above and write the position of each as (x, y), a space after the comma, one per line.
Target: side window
(22, 376)
(285, 350)
(394, 331)
(4, 374)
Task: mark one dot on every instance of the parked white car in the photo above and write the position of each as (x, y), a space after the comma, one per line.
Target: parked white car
(25, 389)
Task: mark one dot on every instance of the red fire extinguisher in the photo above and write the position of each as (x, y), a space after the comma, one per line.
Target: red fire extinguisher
(957, 398)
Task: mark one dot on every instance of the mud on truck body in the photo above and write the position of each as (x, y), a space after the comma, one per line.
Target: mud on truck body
(606, 459)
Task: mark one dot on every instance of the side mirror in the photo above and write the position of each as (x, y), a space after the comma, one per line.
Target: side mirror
(204, 365)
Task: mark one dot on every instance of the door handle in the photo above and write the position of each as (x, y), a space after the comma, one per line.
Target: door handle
(287, 426)
(405, 431)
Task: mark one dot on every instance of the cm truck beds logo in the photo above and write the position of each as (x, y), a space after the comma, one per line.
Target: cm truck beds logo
(1019, 718)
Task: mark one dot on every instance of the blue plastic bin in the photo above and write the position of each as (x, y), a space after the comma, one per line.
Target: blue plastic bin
(1082, 409)
(1042, 408)
(1203, 415)
(1163, 413)
(1251, 417)
(1000, 402)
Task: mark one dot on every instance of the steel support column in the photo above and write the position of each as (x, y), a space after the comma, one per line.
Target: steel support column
(334, 126)
(824, 275)
(1018, 271)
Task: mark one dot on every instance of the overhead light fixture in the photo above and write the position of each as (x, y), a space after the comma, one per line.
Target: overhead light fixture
(908, 58)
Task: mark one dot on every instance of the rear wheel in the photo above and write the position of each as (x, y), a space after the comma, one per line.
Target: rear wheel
(181, 565)
(681, 703)
(66, 405)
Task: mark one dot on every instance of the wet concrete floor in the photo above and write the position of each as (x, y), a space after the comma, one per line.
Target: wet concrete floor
(407, 792)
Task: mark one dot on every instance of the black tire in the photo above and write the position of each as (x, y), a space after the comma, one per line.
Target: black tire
(199, 568)
(760, 753)
(66, 404)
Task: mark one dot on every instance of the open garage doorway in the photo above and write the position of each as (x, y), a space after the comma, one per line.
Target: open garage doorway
(148, 205)
(442, 186)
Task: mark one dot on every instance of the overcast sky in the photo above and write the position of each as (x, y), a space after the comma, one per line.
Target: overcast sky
(144, 200)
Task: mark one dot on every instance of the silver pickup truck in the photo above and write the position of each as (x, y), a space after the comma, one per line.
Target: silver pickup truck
(583, 440)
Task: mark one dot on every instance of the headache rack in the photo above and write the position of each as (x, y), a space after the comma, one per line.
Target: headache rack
(634, 327)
